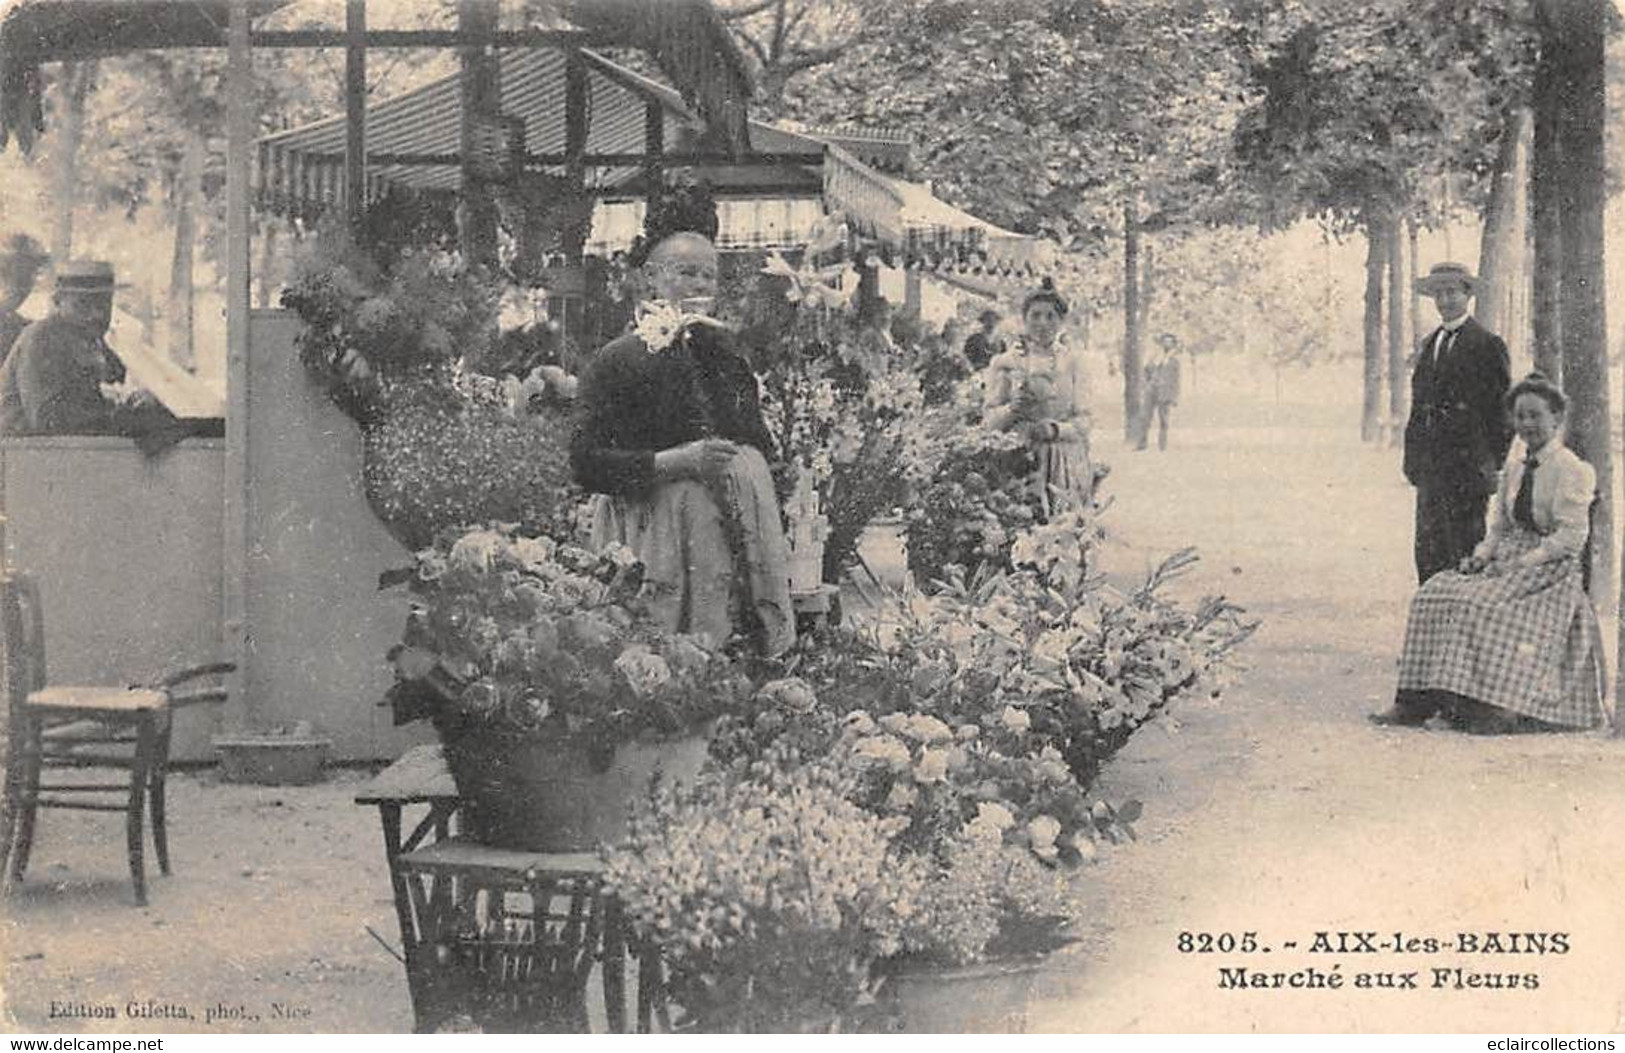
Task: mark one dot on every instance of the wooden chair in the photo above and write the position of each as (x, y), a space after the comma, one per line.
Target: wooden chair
(79, 727)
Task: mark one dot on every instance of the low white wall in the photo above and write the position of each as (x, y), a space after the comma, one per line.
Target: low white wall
(127, 554)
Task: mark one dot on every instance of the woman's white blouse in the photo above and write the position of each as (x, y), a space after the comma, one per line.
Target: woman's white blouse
(1564, 486)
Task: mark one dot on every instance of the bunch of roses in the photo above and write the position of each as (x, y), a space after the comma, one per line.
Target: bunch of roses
(539, 635)
(770, 896)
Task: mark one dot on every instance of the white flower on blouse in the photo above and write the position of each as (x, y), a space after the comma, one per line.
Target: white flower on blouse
(660, 322)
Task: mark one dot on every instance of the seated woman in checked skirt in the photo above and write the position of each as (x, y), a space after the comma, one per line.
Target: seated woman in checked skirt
(1509, 641)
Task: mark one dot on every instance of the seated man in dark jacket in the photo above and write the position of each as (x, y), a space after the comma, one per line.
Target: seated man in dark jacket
(62, 379)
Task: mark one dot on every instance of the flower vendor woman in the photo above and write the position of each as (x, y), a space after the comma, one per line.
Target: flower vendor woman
(1037, 387)
(1509, 642)
(672, 436)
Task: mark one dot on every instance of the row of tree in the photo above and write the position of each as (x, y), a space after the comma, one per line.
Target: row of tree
(1125, 122)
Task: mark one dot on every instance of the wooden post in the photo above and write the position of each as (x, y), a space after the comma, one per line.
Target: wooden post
(238, 510)
(481, 99)
(355, 112)
(575, 135)
(654, 147)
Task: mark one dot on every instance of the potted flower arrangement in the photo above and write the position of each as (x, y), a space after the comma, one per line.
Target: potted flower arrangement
(829, 861)
(555, 699)
(769, 897)
(409, 344)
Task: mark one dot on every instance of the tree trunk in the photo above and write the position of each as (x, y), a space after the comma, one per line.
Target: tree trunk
(77, 78)
(1148, 284)
(1495, 242)
(1577, 47)
(1133, 338)
(179, 308)
(1545, 211)
(1398, 345)
(1417, 324)
(1376, 259)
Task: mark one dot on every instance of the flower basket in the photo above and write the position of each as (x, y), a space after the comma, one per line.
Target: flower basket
(540, 792)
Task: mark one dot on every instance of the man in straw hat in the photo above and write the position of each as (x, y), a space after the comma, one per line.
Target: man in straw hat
(1458, 432)
(20, 261)
(62, 379)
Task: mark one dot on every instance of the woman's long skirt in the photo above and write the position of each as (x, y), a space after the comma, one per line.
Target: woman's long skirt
(1064, 477)
(1525, 641)
(714, 556)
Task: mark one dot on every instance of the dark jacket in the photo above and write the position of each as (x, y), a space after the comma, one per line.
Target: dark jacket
(979, 350)
(635, 404)
(51, 382)
(12, 325)
(1459, 429)
(1162, 381)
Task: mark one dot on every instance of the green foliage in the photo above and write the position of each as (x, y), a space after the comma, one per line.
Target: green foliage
(366, 327)
(1041, 114)
(1358, 106)
(970, 493)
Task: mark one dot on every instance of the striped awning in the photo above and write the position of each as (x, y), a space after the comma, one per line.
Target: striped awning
(301, 171)
(923, 227)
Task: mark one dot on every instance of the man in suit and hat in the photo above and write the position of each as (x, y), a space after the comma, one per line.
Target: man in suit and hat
(20, 261)
(61, 378)
(1458, 432)
(1161, 391)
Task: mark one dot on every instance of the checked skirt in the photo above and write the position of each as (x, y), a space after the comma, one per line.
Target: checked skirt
(1526, 640)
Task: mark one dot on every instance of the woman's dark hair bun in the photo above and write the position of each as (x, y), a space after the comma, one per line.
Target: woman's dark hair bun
(1045, 293)
(1537, 383)
(683, 206)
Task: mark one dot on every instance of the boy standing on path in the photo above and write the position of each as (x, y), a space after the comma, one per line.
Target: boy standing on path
(1161, 390)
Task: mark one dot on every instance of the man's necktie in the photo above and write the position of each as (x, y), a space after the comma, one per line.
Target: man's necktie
(1441, 347)
(1523, 506)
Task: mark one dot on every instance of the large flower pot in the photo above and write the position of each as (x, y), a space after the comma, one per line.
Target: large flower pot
(989, 997)
(551, 793)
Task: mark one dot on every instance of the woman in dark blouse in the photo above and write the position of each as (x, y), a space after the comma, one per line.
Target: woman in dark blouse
(672, 436)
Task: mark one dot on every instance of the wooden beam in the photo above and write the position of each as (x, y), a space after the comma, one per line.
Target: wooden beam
(355, 112)
(428, 38)
(609, 160)
(236, 498)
